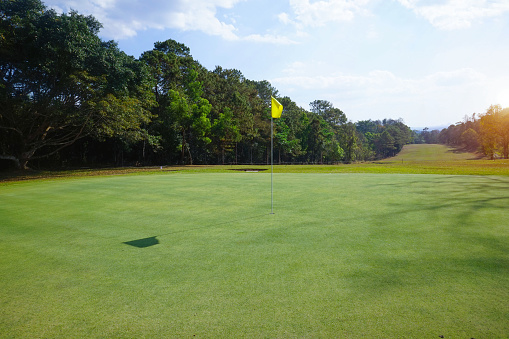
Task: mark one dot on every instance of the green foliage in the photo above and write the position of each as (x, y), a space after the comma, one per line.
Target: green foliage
(328, 112)
(61, 83)
(182, 113)
(382, 139)
(470, 139)
(61, 86)
(65, 94)
(227, 132)
(489, 132)
(503, 132)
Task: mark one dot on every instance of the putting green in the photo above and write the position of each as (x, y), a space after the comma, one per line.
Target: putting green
(178, 255)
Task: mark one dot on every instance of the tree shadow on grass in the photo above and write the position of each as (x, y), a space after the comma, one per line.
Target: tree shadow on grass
(464, 150)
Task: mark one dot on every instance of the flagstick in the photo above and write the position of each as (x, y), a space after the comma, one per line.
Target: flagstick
(271, 165)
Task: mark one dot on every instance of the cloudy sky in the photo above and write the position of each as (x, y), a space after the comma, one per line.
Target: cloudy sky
(430, 62)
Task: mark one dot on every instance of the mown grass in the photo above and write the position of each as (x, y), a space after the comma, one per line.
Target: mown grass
(432, 152)
(345, 255)
(184, 254)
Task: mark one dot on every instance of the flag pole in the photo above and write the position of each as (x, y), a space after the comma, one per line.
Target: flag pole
(275, 112)
(271, 165)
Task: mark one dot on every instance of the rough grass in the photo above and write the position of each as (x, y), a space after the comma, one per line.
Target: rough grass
(413, 159)
(183, 255)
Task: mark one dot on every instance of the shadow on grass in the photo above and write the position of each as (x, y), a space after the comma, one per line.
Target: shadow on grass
(151, 241)
(464, 150)
(142, 243)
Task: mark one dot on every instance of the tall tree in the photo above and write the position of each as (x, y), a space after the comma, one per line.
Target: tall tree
(470, 139)
(183, 114)
(503, 132)
(490, 130)
(385, 144)
(226, 131)
(349, 140)
(289, 130)
(328, 112)
(60, 83)
(229, 89)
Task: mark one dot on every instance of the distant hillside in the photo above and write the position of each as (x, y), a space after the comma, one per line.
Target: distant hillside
(438, 128)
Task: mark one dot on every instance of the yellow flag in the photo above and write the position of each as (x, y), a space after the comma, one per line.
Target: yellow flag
(277, 108)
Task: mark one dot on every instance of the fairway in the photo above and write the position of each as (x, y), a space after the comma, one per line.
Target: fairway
(431, 152)
(182, 255)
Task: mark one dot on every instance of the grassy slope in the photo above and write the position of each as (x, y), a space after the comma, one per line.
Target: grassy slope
(433, 152)
(348, 255)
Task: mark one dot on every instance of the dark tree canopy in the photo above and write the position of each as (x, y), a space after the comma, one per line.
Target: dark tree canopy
(60, 83)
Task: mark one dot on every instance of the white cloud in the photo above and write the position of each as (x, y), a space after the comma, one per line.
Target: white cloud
(294, 68)
(201, 15)
(284, 18)
(457, 14)
(268, 38)
(382, 82)
(372, 34)
(321, 12)
(124, 19)
(380, 93)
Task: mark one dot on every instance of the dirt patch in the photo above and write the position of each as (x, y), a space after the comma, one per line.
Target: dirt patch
(248, 169)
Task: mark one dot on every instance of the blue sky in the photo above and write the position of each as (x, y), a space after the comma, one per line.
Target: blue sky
(429, 62)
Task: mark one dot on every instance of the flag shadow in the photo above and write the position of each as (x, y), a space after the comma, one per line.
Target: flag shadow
(151, 241)
(142, 243)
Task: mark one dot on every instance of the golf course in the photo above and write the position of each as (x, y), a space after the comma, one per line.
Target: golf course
(415, 246)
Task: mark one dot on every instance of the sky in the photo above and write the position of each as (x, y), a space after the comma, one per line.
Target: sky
(428, 62)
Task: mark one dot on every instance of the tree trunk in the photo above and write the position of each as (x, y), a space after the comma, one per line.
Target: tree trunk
(182, 156)
(189, 153)
(25, 157)
(24, 165)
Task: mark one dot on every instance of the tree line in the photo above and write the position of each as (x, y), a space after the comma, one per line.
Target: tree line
(487, 133)
(69, 99)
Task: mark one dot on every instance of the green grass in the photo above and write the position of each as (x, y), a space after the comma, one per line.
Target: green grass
(431, 152)
(345, 255)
